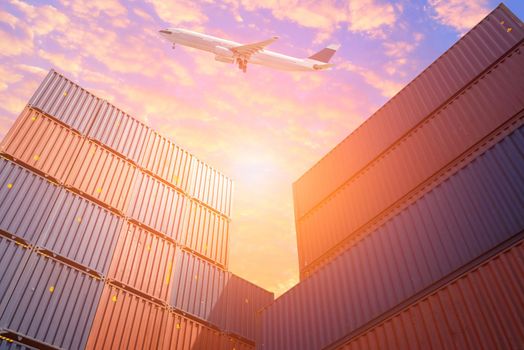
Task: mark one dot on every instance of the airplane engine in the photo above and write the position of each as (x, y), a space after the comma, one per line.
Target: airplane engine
(223, 52)
(224, 59)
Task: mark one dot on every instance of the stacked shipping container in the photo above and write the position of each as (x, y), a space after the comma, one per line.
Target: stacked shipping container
(401, 239)
(107, 226)
(458, 100)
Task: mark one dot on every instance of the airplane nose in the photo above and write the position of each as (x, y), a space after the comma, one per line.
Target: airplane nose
(164, 31)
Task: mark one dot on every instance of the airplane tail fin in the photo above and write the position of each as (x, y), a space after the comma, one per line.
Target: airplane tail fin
(325, 54)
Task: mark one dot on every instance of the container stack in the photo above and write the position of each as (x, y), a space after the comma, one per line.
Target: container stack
(410, 231)
(112, 236)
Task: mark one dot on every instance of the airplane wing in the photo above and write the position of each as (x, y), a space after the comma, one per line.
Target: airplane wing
(243, 52)
(250, 49)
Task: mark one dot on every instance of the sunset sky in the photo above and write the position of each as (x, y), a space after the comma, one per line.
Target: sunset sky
(264, 128)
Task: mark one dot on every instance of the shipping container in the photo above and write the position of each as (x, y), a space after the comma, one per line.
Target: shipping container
(126, 321)
(81, 231)
(66, 101)
(13, 257)
(157, 205)
(484, 107)
(232, 343)
(211, 187)
(7, 343)
(51, 302)
(26, 201)
(103, 175)
(467, 214)
(42, 143)
(144, 262)
(206, 233)
(447, 76)
(244, 300)
(480, 310)
(46, 215)
(119, 131)
(199, 288)
(183, 333)
(166, 160)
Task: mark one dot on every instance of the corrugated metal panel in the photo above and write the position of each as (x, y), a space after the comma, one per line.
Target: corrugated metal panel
(103, 175)
(166, 160)
(157, 205)
(480, 310)
(206, 233)
(26, 201)
(230, 343)
(53, 218)
(473, 53)
(42, 143)
(211, 187)
(126, 321)
(66, 101)
(469, 213)
(144, 261)
(199, 288)
(82, 231)
(483, 107)
(183, 333)
(121, 132)
(244, 299)
(51, 302)
(13, 257)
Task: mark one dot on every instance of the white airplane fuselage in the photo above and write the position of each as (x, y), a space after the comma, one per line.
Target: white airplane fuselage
(221, 48)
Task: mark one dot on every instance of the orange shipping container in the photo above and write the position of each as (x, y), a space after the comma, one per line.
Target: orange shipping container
(211, 187)
(103, 175)
(42, 143)
(157, 205)
(206, 233)
(182, 333)
(166, 160)
(144, 261)
(126, 321)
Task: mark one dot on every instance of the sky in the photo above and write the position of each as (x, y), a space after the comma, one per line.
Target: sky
(263, 129)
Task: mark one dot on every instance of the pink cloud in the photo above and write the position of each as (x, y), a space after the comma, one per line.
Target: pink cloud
(459, 14)
(177, 12)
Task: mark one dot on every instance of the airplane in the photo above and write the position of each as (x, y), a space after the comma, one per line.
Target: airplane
(232, 52)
